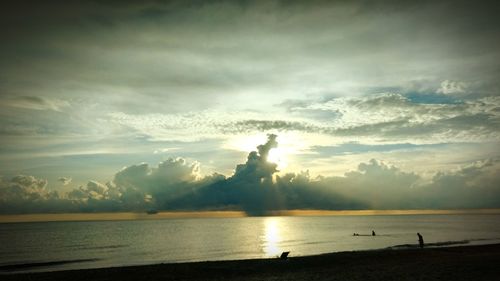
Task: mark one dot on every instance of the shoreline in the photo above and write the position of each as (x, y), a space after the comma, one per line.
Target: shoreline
(471, 262)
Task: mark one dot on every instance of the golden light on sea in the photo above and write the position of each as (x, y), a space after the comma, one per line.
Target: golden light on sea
(272, 236)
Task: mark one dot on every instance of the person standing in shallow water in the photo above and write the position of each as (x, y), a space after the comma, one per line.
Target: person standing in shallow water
(420, 240)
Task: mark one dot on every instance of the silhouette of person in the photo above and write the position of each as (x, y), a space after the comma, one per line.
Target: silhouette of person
(420, 240)
(373, 233)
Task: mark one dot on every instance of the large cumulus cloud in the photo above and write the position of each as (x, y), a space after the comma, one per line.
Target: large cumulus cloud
(24, 193)
(256, 188)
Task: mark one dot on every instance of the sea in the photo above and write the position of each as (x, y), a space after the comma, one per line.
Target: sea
(54, 246)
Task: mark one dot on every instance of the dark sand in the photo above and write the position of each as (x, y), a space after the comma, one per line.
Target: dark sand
(451, 263)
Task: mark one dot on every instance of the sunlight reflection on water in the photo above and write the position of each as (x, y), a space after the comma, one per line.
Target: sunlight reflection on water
(272, 236)
(135, 242)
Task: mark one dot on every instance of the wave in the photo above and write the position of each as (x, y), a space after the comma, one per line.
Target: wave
(318, 242)
(24, 266)
(103, 247)
(445, 243)
(436, 244)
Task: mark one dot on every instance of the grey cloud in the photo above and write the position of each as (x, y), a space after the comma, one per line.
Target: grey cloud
(395, 116)
(359, 148)
(387, 187)
(469, 187)
(154, 57)
(95, 196)
(64, 180)
(246, 126)
(377, 129)
(35, 103)
(93, 190)
(255, 188)
(163, 187)
(257, 167)
(24, 187)
(179, 47)
(169, 58)
(378, 185)
(27, 194)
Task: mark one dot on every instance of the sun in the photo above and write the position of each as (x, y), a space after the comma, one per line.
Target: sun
(288, 145)
(279, 157)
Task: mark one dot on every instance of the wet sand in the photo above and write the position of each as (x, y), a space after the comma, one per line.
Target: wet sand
(447, 263)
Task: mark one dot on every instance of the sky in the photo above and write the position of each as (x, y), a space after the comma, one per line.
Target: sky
(126, 106)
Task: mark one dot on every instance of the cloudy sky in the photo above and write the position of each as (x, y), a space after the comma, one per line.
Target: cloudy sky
(121, 106)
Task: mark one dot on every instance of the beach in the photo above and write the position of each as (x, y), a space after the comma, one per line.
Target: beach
(444, 263)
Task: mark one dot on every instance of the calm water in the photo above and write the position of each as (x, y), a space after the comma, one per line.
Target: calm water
(116, 243)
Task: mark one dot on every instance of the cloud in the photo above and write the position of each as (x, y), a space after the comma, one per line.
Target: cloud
(25, 194)
(392, 116)
(35, 103)
(472, 186)
(182, 49)
(24, 187)
(452, 87)
(252, 125)
(64, 180)
(257, 167)
(387, 187)
(257, 188)
(357, 148)
(141, 185)
(184, 79)
(79, 98)
(386, 117)
(378, 185)
(382, 118)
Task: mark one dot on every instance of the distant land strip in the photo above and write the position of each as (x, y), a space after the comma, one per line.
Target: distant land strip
(224, 214)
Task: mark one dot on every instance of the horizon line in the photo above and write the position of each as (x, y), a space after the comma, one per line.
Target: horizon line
(124, 216)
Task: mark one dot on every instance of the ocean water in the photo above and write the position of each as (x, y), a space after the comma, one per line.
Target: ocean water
(51, 246)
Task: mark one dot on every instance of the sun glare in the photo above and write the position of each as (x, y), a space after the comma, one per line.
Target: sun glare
(278, 156)
(272, 237)
(288, 144)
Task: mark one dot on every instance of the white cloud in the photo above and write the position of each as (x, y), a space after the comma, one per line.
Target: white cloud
(452, 87)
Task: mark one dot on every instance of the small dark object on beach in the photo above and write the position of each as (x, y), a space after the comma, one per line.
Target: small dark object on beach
(465, 263)
(373, 233)
(420, 240)
(284, 255)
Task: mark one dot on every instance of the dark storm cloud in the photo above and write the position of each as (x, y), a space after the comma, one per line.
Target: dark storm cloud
(255, 188)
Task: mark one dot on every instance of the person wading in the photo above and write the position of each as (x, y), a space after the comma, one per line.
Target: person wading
(420, 240)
